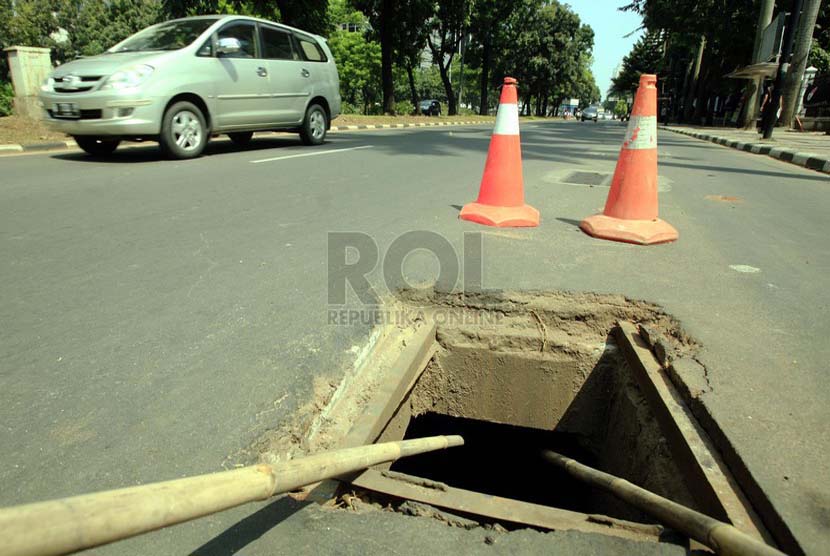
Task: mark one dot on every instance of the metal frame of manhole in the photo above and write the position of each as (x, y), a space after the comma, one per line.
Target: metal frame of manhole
(697, 456)
(588, 178)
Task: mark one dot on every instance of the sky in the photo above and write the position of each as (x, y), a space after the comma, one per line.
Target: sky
(610, 27)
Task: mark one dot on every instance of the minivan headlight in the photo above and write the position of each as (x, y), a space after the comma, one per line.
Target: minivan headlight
(132, 76)
(48, 85)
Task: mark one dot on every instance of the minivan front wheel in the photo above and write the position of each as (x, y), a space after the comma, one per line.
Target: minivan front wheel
(97, 146)
(184, 133)
(314, 127)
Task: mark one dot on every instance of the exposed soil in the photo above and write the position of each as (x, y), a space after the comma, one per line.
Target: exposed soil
(23, 131)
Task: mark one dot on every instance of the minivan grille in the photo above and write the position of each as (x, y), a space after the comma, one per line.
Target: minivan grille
(75, 83)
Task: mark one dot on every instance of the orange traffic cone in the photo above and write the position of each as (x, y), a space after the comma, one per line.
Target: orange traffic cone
(501, 200)
(630, 213)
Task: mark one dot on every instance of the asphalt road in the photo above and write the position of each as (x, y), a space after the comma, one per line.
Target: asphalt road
(159, 316)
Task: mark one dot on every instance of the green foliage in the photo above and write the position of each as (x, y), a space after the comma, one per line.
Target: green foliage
(6, 99)
(674, 32)
(646, 56)
(550, 56)
(404, 107)
(819, 57)
(542, 42)
(74, 28)
(358, 62)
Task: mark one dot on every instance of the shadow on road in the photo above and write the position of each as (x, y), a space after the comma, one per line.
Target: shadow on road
(150, 152)
(241, 534)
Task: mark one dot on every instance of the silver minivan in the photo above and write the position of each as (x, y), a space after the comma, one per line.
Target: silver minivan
(181, 81)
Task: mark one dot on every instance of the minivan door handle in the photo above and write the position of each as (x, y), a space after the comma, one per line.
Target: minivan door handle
(305, 73)
(262, 72)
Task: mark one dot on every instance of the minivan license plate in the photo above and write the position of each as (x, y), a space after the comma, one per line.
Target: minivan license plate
(66, 110)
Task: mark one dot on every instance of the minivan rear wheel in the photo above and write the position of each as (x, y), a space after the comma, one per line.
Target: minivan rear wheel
(314, 127)
(97, 146)
(184, 133)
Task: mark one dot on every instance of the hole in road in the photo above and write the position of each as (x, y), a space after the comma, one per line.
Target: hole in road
(546, 375)
(502, 460)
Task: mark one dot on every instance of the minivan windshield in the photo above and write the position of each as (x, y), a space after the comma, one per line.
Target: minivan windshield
(171, 35)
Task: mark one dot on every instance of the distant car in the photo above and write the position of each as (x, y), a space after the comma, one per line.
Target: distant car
(430, 107)
(590, 113)
(181, 81)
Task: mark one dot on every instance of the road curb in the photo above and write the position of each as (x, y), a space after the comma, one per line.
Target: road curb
(808, 160)
(62, 145)
(53, 146)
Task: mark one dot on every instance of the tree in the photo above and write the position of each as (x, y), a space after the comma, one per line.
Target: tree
(381, 14)
(410, 39)
(446, 29)
(489, 30)
(720, 33)
(308, 15)
(801, 51)
(645, 57)
(550, 55)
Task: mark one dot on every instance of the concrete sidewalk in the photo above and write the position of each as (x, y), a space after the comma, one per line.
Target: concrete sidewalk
(808, 149)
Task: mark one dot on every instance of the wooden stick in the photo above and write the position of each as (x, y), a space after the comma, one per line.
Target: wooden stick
(71, 524)
(721, 537)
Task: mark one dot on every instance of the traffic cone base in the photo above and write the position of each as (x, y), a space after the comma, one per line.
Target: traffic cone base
(500, 217)
(641, 232)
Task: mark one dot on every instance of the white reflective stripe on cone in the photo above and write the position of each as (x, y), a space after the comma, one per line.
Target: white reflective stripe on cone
(507, 120)
(641, 133)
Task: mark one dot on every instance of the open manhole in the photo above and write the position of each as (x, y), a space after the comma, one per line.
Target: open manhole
(588, 178)
(518, 373)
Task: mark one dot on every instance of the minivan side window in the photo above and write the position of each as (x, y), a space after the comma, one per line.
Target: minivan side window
(311, 50)
(245, 33)
(276, 45)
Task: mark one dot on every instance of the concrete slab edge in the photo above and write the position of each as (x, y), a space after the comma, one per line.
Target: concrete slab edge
(808, 160)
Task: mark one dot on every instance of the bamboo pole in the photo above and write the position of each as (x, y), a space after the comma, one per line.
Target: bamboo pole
(70, 524)
(720, 537)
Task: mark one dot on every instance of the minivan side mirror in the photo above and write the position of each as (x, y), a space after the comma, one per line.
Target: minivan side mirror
(228, 45)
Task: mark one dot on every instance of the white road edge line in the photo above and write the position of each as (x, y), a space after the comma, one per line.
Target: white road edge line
(316, 153)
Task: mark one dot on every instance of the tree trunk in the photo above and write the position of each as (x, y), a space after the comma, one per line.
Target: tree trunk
(693, 85)
(413, 91)
(700, 110)
(386, 53)
(684, 95)
(801, 51)
(754, 85)
(539, 104)
(484, 83)
(452, 106)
